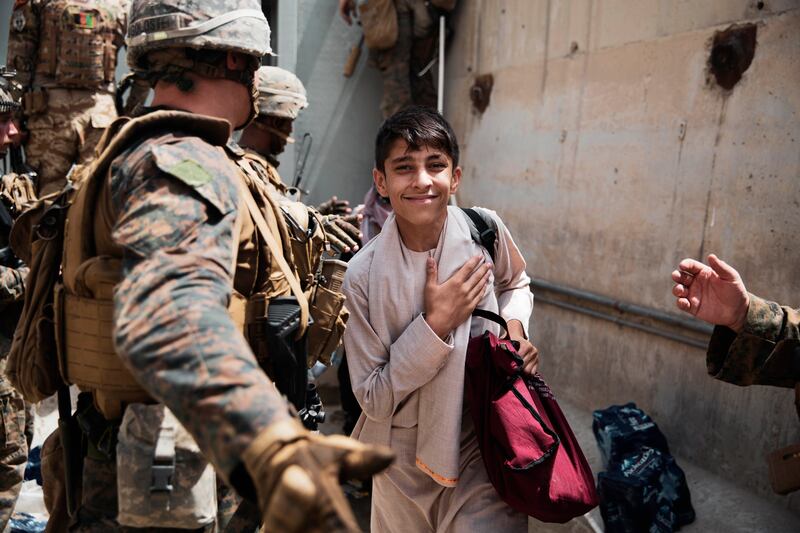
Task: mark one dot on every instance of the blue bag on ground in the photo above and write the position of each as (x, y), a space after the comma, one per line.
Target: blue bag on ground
(25, 523)
(33, 469)
(643, 488)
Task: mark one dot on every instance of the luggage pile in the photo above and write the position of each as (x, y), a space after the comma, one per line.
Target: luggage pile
(642, 487)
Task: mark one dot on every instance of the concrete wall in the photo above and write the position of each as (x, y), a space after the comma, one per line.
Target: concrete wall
(612, 154)
(343, 114)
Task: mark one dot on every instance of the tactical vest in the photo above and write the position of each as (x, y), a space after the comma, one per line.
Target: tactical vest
(308, 246)
(77, 44)
(92, 264)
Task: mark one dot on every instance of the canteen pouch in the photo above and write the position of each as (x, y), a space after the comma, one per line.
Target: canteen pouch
(784, 469)
(330, 317)
(162, 478)
(379, 21)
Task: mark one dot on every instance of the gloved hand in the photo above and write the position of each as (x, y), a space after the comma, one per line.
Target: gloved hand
(334, 206)
(296, 474)
(343, 233)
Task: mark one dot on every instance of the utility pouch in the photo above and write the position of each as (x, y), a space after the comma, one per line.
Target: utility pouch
(287, 354)
(34, 102)
(327, 310)
(379, 21)
(784, 469)
(162, 478)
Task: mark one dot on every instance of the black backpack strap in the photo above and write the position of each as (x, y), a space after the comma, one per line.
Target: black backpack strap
(482, 228)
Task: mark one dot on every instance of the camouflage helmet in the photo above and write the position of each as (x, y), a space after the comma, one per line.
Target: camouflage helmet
(7, 101)
(225, 25)
(280, 93)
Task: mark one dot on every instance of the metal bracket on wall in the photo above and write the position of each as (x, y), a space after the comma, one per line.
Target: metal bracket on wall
(678, 328)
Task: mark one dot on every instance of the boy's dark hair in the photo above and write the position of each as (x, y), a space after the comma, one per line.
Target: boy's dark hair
(418, 126)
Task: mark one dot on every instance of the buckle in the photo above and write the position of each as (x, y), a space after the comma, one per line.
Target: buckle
(162, 477)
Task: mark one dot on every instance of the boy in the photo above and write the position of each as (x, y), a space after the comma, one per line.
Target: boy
(410, 293)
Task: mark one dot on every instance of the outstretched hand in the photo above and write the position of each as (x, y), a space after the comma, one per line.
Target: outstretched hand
(714, 293)
(450, 304)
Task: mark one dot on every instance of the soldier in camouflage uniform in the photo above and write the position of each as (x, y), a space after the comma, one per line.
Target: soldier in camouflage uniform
(400, 65)
(169, 225)
(16, 193)
(754, 341)
(281, 97)
(65, 52)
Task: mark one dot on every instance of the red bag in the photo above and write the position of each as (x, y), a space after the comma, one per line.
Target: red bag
(528, 448)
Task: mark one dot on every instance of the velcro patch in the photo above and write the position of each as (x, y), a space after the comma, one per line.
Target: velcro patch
(191, 173)
(202, 167)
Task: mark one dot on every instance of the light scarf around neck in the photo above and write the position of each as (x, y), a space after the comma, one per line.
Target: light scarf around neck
(391, 310)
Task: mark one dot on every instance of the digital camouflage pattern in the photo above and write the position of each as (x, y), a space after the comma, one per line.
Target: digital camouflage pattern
(176, 199)
(280, 93)
(66, 132)
(159, 24)
(13, 455)
(65, 112)
(67, 43)
(765, 352)
(400, 64)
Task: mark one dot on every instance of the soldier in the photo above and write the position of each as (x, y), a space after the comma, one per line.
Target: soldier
(16, 193)
(65, 52)
(172, 228)
(281, 98)
(401, 64)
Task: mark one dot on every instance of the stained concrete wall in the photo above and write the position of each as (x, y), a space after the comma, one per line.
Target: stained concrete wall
(612, 154)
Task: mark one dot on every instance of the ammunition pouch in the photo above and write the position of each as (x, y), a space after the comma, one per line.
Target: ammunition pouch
(271, 329)
(34, 102)
(329, 315)
(163, 480)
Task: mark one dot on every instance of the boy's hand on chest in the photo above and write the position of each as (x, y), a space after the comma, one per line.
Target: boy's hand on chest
(449, 304)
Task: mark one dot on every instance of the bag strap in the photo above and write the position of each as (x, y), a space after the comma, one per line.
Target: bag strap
(493, 317)
(483, 231)
(277, 252)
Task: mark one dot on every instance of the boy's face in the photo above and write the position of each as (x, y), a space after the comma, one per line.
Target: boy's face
(418, 182)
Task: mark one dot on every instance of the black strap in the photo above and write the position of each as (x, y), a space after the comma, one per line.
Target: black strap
(484, 233)
(494, 317)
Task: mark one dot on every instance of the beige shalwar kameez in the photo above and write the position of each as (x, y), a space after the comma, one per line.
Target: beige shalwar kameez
(410, 383)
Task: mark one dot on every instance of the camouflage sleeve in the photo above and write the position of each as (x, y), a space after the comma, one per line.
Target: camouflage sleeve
(765, 352)
(176, 209)
(12, 283)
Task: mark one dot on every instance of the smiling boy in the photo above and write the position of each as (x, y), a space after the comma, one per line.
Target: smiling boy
(411, 292)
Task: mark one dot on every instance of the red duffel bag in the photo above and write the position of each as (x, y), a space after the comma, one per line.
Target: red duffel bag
(530, 453)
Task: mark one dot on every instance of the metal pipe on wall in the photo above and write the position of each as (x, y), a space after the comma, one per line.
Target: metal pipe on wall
(633, 309)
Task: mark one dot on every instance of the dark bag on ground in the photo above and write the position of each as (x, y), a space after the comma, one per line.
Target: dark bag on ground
(643, 488)
(531, 455)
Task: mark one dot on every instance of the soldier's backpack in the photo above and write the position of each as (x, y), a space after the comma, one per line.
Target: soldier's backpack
(34, 366)
(379, 22)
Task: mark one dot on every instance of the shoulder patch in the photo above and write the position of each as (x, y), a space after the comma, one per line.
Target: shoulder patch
(202, 167)
(190, 172)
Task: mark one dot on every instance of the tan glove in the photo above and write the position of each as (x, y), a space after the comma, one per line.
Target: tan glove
(296, 474)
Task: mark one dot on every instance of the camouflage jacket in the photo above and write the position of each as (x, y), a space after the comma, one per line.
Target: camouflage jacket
(765, 352)
(12, 289)
(29, 42)
(175, 200)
